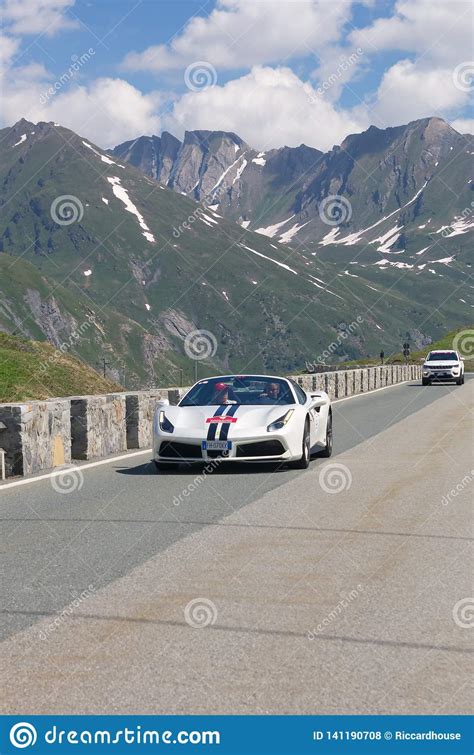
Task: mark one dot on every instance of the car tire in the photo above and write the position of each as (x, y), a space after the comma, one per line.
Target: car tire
(303, 463)
(425, 381)
(327, 450)
(460, 380)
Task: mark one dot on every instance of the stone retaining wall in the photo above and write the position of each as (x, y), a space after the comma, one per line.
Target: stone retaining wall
(98, 426)
(140, 410)
(35, 436)
(42, 435)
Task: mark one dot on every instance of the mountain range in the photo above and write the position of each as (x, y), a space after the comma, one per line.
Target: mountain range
(279, 192)
(280, 256)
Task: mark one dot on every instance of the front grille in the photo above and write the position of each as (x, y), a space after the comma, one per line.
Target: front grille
(172, 450)
(217, 454)
(443, 367)
(261, 448)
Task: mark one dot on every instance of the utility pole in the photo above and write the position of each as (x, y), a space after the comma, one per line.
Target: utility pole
(406, 351)
(105, 364)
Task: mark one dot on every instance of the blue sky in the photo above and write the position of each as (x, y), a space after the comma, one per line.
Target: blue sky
(274, 71)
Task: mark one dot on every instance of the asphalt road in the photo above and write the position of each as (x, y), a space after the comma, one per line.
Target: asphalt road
(334, 590)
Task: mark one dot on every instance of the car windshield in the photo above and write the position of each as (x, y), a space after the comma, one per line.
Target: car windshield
(442, 356)
(246, 390)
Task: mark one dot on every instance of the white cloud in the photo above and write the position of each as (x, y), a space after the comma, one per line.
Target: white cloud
(37, 16)
(107, 112)
(439, 31)
(463, 125)
(409, 91)
(8, 47)
(268, 108)
(337, 67)
(439, 37)
(242, 33)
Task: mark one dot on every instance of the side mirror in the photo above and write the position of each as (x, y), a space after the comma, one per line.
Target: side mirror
(317, 400)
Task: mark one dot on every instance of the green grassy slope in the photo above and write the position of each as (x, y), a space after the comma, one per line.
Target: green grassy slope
(460, 339)
(30, 370)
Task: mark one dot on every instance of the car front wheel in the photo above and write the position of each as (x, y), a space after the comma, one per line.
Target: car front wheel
(425, 381)
(303, 463)
(327, 450)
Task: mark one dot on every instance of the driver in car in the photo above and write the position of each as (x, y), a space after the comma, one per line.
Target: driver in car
(221, 394)
(272, 392)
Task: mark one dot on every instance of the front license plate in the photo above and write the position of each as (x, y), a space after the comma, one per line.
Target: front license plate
(216, 445)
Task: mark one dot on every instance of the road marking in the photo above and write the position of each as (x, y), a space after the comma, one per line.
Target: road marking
(132, 454)
(67, 468)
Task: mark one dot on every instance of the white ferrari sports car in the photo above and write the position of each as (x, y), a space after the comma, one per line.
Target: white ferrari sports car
(243, 418)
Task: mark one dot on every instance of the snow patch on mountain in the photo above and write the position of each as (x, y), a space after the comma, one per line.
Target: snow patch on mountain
(388, 239)
(20, 141)
(272, 230)
(219, 181)
(458, 227)
(443, 261)
(330, 237)
(354, 238)
(122, 194)
(326, 290)
(240, 170)
(275, 262)
(102, 157)
(208, 217)
(259, 160)
(383, 263)
(286, 237)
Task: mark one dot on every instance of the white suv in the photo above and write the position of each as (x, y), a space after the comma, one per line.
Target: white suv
(443, 365)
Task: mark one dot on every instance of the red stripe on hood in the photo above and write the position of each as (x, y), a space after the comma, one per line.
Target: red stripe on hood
(221, 419)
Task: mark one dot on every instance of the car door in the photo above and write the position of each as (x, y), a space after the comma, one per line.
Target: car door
(304, 399)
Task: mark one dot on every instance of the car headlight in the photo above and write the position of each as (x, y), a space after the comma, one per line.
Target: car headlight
(164, 423)
(281, 422)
